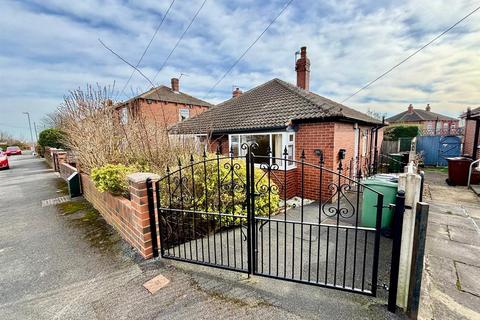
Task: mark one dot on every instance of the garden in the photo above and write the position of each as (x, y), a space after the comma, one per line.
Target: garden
(108, 150)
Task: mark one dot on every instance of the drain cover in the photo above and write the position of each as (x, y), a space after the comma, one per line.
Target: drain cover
(53, 201)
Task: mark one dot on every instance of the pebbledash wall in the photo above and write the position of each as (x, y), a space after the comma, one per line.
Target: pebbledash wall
(129, 217)
(330, 137)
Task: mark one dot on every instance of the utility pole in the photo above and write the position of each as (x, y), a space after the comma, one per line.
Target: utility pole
(35, 127)
(30, 126)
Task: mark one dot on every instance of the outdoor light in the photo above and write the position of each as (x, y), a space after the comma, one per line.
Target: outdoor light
(341, 154)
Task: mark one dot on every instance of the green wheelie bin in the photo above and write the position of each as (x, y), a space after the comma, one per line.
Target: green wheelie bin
(388, 187)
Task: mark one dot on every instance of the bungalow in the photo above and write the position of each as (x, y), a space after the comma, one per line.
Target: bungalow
(471, 139)
(430, 123)
(278, 115)
(164, 105)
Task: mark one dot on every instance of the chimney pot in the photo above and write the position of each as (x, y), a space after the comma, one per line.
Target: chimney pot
(410, 108)
(236, 92)
(302, 66)
(175, 85)
(428, 108)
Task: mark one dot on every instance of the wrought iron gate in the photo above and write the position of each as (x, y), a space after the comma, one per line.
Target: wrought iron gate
(230, 212)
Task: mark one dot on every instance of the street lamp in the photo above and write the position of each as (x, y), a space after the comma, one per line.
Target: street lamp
(30, 126)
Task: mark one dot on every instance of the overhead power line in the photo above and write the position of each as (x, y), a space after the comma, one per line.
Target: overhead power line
(179, 40)
(146, 48)
(411, 55)
(251, 45)
(124, 60)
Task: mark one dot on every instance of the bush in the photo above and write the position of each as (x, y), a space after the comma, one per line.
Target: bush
(215, 187)
(113, 177)
(52, 137)
(393, 133)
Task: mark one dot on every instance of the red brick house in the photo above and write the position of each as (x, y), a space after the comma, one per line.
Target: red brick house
(471, 139)
(430, 123)
(278, 115)
(164, 105)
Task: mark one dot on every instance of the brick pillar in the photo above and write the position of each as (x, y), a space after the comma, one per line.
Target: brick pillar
(140, 215)
(62, 157)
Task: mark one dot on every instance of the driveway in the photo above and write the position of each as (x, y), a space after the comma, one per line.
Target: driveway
(451, 284)
(63, 262)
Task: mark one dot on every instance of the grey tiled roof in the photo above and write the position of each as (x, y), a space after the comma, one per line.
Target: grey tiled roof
(418, 115)
(271, 105)
(164, 93)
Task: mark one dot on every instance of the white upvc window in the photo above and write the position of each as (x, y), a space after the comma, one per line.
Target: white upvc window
(184, 114)
(276, 141)
(123, 115)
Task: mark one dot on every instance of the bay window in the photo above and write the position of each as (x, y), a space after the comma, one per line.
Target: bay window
(276, 141)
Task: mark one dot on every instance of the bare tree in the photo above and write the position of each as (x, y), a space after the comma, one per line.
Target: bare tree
(97, 136)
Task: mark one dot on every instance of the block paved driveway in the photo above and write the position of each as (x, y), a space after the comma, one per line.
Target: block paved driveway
(451, 283)
(54, 266)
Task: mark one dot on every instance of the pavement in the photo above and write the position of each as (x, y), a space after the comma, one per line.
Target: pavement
(58, 262)
(451, 282)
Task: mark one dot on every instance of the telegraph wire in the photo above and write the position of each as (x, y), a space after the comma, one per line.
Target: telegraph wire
(251, 45)
(411, 55)
(146, 48)
(179, 40)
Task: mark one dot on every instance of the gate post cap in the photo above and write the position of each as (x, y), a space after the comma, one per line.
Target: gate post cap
(142, 177)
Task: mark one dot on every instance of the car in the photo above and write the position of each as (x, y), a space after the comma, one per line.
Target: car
(13, 150)
(4, 161)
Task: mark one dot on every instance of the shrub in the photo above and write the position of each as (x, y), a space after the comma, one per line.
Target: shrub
(51, 138)
(393, 133)
(219, 187)
(113, 177)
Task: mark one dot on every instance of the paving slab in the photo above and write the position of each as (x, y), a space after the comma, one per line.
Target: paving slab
(452, 260)
(463, 235)
(469, 278)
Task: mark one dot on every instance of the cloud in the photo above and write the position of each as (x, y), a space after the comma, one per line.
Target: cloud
(49, 47)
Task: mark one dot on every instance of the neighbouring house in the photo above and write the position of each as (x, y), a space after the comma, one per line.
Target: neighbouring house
(471, 139)
(164, 105)
(430, 123)
(278, 115)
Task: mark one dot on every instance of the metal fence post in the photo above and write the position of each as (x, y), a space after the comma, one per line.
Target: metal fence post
(151, 215)
(396, 245)
(419, 238)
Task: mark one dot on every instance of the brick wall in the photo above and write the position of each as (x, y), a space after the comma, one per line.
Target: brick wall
(66, 170)
(468, 139)
(129, 217)
(166, 112)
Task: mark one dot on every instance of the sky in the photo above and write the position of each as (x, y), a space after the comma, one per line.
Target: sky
(48, 47)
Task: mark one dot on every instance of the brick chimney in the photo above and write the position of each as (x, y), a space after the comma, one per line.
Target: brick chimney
(428, 108)
(410, 108)
(175, 85)
(236, 92)
(302, 66)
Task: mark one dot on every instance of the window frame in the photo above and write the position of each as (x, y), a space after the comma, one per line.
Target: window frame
(180, 114)
(285, 144)
(124, 116)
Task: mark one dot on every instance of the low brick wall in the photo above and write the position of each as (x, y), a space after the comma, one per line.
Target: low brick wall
(129, 217)
(66, 170)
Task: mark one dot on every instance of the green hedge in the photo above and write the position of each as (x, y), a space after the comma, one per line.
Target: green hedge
(393, 133)
(113, 177)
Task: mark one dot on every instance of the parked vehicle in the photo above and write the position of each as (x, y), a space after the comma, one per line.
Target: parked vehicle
(13, 150)
(4, 160)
